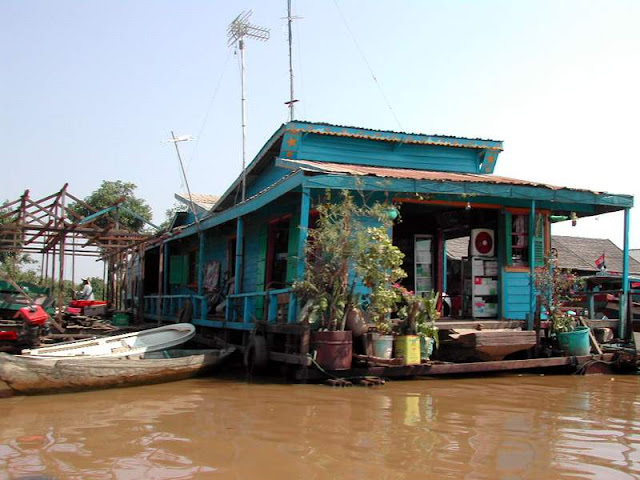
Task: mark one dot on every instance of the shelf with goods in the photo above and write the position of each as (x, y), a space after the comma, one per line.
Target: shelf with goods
(423, 264)
(480, 286)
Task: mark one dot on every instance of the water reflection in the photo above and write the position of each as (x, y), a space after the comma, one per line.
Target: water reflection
(502, 427)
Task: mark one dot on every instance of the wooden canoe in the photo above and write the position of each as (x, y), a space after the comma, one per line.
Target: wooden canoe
(33, 375)
(126, 345)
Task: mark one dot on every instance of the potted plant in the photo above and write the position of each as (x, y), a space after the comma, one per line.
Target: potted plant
(555, 287)
(418, 315)
(340, 252)
(378, 263)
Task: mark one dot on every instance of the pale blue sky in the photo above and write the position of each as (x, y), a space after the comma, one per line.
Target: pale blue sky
(91, 89)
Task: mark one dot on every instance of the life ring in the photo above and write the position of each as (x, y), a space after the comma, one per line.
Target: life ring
(185, 314)
(256, 355)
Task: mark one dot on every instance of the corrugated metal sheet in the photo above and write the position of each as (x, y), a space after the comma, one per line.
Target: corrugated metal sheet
(574, 253)
(579, 253)
(351, 131)
(404, 173)
(202, 200)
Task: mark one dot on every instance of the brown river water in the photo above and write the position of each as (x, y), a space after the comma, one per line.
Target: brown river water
(511, 427)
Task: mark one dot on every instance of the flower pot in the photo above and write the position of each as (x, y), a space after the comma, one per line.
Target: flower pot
(576, 342)
(334, 349)
(356, 323)
(382, 345)
(426, 347)
(408, 347)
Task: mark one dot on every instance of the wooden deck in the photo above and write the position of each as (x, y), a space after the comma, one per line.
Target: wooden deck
(598, 362)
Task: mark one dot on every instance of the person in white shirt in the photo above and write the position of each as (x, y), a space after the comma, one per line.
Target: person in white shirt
(87, 292)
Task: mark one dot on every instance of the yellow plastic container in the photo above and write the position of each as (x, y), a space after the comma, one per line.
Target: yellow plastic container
(408, 347)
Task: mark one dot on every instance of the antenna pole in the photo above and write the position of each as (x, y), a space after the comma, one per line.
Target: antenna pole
(244, 121)
(291, 97)
(175, 141)
(237, 31)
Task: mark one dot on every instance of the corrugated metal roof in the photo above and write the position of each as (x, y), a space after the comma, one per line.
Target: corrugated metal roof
(202, 200)
(574, 253)
(431, 175)
(579, 253)
(458, 247)
(319, 125)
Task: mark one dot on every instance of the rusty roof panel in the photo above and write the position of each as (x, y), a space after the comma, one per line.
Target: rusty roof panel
(430, 175)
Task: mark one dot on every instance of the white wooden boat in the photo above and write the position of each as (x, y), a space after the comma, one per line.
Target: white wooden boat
(34, 375)
(126, 345)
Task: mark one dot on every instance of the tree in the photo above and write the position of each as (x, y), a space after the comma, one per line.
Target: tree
(170, 213)
(120, 193)
(12, 263)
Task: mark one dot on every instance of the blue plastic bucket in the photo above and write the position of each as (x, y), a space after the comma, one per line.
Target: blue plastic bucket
(426, 347)
(576, 342)
(382, 346)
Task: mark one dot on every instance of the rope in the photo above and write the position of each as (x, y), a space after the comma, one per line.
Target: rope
(361, 52)
(330, 375)
(582, 368)
(206, 116)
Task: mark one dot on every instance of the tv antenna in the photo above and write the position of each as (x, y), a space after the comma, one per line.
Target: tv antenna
(175, 140)
(236, 33)
(292, 99)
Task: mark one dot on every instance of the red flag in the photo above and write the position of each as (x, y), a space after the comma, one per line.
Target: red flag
(600, 262)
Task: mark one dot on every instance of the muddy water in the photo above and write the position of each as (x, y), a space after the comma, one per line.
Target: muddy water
(513, 427)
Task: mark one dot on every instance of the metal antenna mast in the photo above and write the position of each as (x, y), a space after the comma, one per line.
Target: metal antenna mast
(175, 140)
(237, 31)
(292, 99)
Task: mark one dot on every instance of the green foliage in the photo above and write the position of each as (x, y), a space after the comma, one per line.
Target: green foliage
(170, 213)
(378, 263)
(111, 193)
(557, 285)
(418, 313)
(14, 264)
(340, 241)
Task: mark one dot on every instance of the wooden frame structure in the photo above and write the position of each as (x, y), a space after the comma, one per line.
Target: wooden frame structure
(49, 226)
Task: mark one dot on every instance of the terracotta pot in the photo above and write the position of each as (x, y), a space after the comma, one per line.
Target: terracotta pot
(356, 323)
(333, 349)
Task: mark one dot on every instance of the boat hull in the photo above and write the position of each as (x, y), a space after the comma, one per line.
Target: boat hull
(35, 375)
(126, 345)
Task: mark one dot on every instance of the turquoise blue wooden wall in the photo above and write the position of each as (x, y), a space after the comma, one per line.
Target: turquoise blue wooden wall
(252, 230)
(267, 177)
(256, 237)
(215, 249)
(516, 295)
(387, 154)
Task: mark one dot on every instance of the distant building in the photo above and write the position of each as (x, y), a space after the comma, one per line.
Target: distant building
(574, 253)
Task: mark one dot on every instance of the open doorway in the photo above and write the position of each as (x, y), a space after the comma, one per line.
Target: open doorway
(278, 253)
(423, 235)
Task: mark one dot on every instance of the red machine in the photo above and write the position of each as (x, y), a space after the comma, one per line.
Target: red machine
(33, 315)
(34, 325)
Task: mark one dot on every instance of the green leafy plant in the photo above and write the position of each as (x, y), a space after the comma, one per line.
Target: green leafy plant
(555, 287)
(418, 313)
(341, 250)
(378, 263)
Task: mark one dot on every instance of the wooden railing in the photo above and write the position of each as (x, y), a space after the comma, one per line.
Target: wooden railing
(278, 306)
(241, 312)
(174, 308)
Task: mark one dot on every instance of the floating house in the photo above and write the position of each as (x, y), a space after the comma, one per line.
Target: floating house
(230, 272)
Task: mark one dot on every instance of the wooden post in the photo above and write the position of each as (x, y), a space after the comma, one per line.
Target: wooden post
(625, 304)
(140, 284)
(200, 263)
(239, 255)
(160, 277)
(532, 265)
